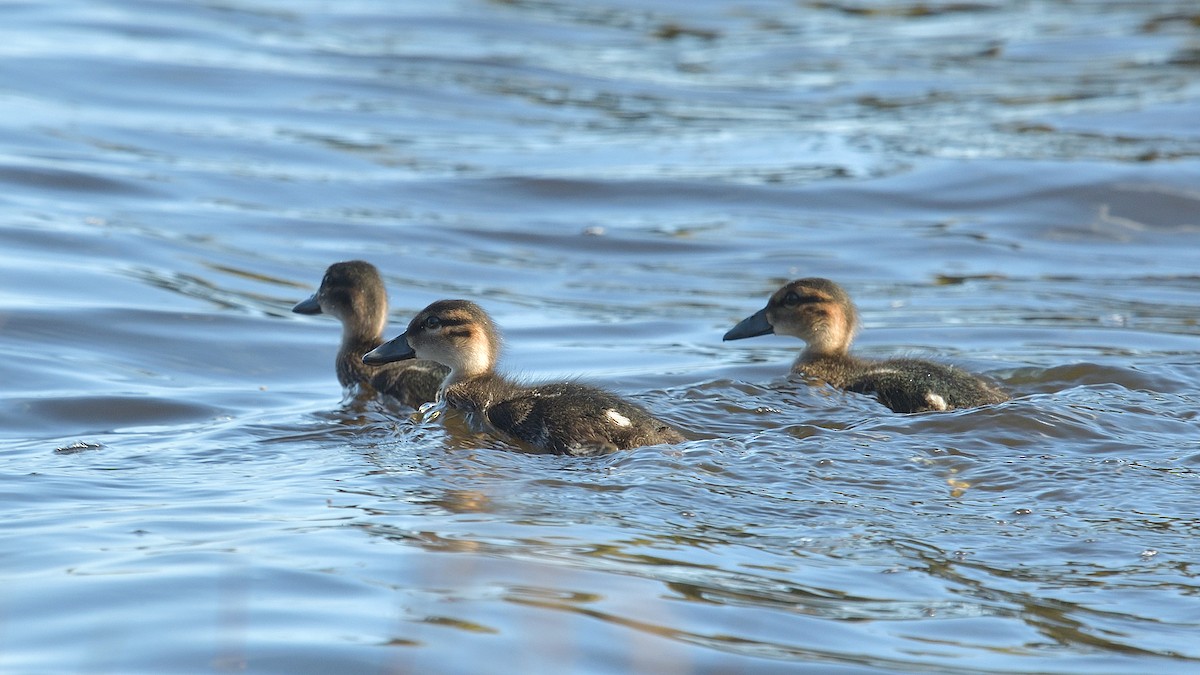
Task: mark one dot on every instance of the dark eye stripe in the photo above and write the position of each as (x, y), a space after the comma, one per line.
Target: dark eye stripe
(462, 333)
(435, 321)
(793, 298)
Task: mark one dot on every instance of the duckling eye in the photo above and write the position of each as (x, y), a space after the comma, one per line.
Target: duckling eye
(432, 322)
(793, 299)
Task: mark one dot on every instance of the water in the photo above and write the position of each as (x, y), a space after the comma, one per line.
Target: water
(1008, 186)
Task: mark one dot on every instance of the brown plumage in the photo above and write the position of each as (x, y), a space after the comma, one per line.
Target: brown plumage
(820, 312)
(353, 292)
(562, 418)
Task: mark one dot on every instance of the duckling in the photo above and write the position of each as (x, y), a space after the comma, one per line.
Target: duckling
(821, 313)
(353, 292)
(563, 418)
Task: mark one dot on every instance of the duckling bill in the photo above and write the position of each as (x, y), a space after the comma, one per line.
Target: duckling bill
(353, 292)
(821, 313)
(562, 418)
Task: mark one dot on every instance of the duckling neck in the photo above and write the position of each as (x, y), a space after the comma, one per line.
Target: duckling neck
(350, 368)
(363, 332)
(476, 362)
(464, 372)
(834, 366)
(824, 347)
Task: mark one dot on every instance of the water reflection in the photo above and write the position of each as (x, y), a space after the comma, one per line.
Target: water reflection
(1009, 187)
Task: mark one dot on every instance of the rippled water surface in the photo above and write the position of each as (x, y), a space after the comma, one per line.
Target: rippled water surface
(1010, 186)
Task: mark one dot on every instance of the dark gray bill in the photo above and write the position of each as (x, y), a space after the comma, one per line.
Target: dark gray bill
(751, 326)
(396, 349)
(309, 306)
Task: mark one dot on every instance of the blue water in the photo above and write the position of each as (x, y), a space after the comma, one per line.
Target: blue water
(1011, 187)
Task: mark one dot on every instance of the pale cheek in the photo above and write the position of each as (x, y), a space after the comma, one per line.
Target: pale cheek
(843, 324)
(780, 325)
(474, 358)
(812, 326)
(427, 351)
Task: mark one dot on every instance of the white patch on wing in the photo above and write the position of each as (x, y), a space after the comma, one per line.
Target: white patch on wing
(617, 418)
(936, 402)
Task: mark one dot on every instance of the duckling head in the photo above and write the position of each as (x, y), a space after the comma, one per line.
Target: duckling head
(815, 310)
(455, 333)
(353, 292)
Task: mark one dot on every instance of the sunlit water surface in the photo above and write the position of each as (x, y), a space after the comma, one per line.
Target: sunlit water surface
(1010, 186)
